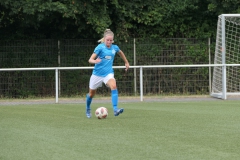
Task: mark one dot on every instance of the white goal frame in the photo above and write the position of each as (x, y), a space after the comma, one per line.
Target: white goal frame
(221, 76)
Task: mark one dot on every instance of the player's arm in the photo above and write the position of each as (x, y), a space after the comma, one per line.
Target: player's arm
(122, 55)
(93, 59)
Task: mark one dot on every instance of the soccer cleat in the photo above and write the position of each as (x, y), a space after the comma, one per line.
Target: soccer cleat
(88, 113)
(119, 111)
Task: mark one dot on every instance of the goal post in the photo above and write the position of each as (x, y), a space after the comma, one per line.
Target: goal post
(226, 77)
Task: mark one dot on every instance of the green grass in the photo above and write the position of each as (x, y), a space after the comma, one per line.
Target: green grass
(206, 130)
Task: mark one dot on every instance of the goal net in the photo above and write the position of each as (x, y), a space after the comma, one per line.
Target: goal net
(226, 75)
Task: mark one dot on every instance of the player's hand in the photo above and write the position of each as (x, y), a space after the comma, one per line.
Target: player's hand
(127, 66)
(98, 60)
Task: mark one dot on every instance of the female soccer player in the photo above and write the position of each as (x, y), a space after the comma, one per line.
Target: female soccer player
(103, 57)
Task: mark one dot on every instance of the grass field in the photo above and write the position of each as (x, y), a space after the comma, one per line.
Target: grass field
(206, 130)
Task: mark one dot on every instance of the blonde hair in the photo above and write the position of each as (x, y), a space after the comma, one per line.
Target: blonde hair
(106, 32)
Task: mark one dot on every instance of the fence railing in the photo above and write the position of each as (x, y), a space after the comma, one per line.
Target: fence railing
(140, 68)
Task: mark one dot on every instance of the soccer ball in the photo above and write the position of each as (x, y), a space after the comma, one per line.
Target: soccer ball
(101, 113)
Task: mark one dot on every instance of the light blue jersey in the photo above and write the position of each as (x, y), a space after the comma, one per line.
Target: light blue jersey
(106, 55)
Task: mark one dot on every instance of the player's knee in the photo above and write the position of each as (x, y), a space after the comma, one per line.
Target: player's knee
(113, 87)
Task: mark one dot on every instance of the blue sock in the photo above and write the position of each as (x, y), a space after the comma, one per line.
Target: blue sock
(114, 99)
(88, 102)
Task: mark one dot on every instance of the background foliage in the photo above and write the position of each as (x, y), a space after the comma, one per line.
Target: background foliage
(56, 19)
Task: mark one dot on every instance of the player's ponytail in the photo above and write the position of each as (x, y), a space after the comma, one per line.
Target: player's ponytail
(101, 40)
(106, 32)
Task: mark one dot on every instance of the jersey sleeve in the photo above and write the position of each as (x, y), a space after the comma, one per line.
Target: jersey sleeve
(116, 48)
(98, 49)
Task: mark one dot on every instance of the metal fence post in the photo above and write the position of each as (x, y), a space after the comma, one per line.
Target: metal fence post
(134, 63)
(56, 84)
(210, 69)
(141, 83)
(59, 65)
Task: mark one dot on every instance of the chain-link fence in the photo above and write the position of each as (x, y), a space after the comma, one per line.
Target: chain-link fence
(16, 85)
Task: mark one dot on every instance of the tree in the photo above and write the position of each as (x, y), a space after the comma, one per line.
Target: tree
(88, 19)
(53, 18)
